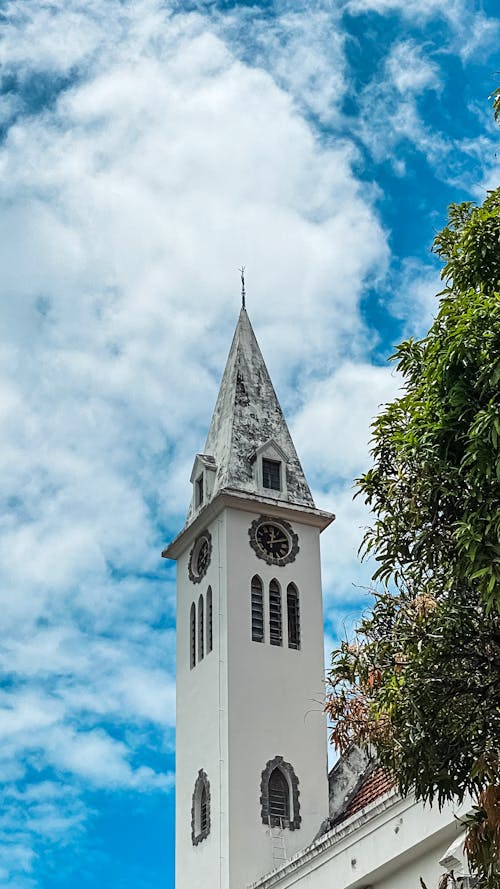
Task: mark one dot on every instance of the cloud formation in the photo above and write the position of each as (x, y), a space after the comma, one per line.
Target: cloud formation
(147, 152)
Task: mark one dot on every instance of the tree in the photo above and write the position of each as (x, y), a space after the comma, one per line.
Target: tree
(420, 681)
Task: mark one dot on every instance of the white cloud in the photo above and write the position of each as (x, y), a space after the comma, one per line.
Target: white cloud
(332, 430)
(390, 112)
(132, 199)
(304, 52)
(470, 29)
(415, 298)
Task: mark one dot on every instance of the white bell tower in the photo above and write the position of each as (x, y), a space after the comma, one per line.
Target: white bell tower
(252, 784)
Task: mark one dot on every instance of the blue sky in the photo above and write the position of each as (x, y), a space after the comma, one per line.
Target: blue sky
(147, 150)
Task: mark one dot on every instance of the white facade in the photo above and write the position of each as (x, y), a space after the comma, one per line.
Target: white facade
(392, 844)
(247, 702)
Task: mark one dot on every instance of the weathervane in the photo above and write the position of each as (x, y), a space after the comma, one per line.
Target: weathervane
(242, 272)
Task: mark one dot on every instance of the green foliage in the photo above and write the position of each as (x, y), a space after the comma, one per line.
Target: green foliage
(435, 484)
(421, 682)
(496, 103)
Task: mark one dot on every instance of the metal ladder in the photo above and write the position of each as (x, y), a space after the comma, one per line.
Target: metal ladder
(278, 845)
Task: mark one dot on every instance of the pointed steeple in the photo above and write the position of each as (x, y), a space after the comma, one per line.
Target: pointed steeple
(248, 422)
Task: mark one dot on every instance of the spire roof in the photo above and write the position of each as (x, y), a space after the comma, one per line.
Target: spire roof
(248, 417)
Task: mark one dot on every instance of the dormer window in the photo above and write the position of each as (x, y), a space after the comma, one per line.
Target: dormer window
(271, 474)
(270, 470)
(202, 480)
(199, 490)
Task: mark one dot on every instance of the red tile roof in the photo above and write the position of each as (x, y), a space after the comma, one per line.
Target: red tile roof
(374, 785)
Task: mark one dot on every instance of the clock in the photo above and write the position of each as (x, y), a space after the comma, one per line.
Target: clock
(199, 557)
(274, 541)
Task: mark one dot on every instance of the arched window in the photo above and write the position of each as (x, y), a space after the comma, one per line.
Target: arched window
(200, 809)
(293, 614)
(192, 636)
(257, 602)
(200, 629)
(275, 631)
(279, 798)
(210, 636)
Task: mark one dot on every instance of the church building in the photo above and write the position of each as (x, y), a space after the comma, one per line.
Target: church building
(255, 805)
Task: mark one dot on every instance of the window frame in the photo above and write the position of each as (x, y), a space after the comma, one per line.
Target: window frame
(209, 621)
(294, 820)
(275, 618)
(293, 615)
(256, 608)
(192, 636)
(272, 465)
(201, 629)
(278, 819)
(199, 491)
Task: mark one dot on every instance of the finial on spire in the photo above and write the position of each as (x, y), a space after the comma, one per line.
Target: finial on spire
(242, 272)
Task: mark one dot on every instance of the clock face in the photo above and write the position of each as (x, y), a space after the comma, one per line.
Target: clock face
(272, 540)
(275, 542)
(199, 557)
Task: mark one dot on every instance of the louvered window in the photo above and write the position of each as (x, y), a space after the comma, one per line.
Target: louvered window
(279, 795)
(192, 636)
(271, 474)
(209, 621)
(203, 810)
(275, 631)
(199, 490)
(279, 799)
(200, 629)
(293, 613)
(257, 609)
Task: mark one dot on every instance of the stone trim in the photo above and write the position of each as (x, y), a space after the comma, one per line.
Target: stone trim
(201, 782)
(194, 576)
(293, 823)
(287, 528)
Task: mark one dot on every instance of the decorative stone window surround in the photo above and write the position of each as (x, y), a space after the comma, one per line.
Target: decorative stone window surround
(194, 576)
(293, 822)
(198, 835)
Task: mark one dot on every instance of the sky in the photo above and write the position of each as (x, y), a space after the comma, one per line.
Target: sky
(147, 150)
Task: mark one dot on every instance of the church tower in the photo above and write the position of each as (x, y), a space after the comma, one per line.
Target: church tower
(252, 784)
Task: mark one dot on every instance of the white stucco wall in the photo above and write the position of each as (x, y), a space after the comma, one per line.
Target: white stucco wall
(246, 703)
(274, 699)
(201, 730)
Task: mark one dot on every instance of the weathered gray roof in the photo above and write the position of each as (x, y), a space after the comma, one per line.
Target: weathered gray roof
(247, 415)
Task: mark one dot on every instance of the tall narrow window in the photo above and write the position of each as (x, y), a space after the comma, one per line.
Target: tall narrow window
(210, 636)
(279, 799)
(200, 629)
(271, 474)
(199, 490)
(204, 809)
(192, 636)
(257, 609)
(293, 614)
(275, 631)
